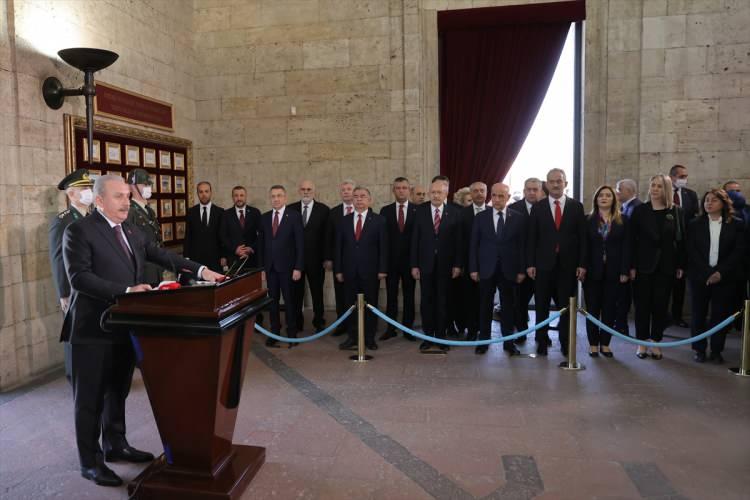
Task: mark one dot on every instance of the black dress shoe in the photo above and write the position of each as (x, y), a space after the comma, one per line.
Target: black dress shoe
(348, 344)
(444, 347)
(594, 354)
(128, 454)
(338, 332)
(371, 346)
(512, 350)
(101, 475)
(541, 349)
(471, 336)
(699, 357)
(607, 354)
(717, 358)
(481, 349)
(564, 351)
(271, 342)
(682, 323)
(388, 334)
(521, 340)
(424, 346)
(410, 338)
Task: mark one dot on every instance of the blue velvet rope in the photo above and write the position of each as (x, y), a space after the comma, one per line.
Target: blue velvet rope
(436, 340)
(645, 343)
(301, 340)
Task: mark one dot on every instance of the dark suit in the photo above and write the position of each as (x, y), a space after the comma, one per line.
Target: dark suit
(233, 235)
(203, 242)
(99, 269)
(334, 220)
(465, 297)
(280, 255)
(498, 255)
(526, 289)
(720, 297)
(360, 261)
(606, 260)
(57, 226)
(556, 254)
(657, 242)
(315, 242)
(435, 255)
(625, 299)
(399, 245)
(690, 208)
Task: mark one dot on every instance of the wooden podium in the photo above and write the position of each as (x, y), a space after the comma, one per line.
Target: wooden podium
(191, 345)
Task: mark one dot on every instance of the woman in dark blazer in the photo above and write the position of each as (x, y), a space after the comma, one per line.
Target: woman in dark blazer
(715, 248)
(607, 266)
(657, 235)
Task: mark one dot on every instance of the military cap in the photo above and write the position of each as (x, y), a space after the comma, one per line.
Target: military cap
(77, 178)
(139, 176)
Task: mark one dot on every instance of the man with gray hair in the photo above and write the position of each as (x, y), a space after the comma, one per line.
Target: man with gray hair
(104, 257)
(335, 216)
(627, 194)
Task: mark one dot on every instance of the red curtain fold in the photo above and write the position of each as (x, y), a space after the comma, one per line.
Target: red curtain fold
(492, 83)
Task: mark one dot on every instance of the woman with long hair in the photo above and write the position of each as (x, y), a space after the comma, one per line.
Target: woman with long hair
(715, 247)
(657, 236)
(607, 266)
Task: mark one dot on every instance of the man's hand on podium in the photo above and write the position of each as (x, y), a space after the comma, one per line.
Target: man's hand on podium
(211, 276)
(143, 287)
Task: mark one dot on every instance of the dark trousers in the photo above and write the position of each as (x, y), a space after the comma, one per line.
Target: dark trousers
(280, 285)
(559, 285)
(408, 285)
(339, 293)
(601, 302)
(508, 293)
(651, 297)
(524, 292)
(315, 276)
(624, 301)
(101, 379)
(720, 299)
(470, 305)
(369, 286)
(434, 285)
(678, 298)
(456, 316)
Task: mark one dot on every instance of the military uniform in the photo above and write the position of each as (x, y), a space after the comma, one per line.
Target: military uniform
(145, 219)
(57, 225)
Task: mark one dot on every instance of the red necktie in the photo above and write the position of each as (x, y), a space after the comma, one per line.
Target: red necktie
(401, 221)
(676, 197)
(275, 226)
(358, 230)
(558, 215)
(436, 222)
(242, 218)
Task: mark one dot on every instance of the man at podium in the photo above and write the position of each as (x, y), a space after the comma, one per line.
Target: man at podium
(105, 256)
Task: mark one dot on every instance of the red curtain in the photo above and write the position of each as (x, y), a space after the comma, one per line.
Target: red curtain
(496, 65)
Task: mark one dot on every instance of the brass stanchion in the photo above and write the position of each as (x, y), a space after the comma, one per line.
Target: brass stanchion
(744, 369)
(571, 363)
(360, 357)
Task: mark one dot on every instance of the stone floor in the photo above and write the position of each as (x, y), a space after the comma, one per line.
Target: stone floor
(411, 426)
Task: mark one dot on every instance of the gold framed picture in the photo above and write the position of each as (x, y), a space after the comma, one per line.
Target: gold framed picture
(179, 230)
(166, 232)
(152, 178)
(154, 204)
(179, 208)
(179, 161)
(166, 208)
(165, 183)
(114, 154)
(149, 157)
(165, 160)
(132, 155)
(179, 184)
(97, 150)
(94, 173)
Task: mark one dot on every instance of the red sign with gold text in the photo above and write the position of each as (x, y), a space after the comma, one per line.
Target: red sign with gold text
(124, 105)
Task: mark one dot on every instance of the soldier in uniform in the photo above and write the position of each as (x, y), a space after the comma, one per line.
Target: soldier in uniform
(142, 216)
(77, 187)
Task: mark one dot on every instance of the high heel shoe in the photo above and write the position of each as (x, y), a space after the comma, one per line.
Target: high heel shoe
(594, 352)
(607, 354)
(642, 354)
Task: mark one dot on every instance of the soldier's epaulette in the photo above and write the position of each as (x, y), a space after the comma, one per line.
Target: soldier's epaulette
(62, 214)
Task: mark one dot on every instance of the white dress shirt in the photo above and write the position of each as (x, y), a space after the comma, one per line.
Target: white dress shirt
(345, 207)
(439, 209)
(281, 214)
(406, 210)
(207, 206)
(364, 218)
(496, 215)
(714, 230)
(478, 208)
(242, 210)
(552, 205)
(528, 206)
(309, 206)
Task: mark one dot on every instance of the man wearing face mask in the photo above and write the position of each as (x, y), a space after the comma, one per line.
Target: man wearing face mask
(687, 199)
(142, 216)
(77, 187)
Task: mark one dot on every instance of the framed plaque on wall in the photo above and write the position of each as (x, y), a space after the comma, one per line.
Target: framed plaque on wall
(122, 147)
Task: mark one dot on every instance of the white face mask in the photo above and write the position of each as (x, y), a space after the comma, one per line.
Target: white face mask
(146, 192)
(680, 183)
(87, 197)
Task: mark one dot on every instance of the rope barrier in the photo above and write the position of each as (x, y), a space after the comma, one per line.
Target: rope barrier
(301, 340)
(645, 343)
(436, 340)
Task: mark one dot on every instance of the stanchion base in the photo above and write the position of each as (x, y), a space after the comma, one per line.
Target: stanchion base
(565, 365)
(740, 372)
(363, 359)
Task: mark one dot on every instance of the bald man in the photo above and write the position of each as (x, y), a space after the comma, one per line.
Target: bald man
(314, 221)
